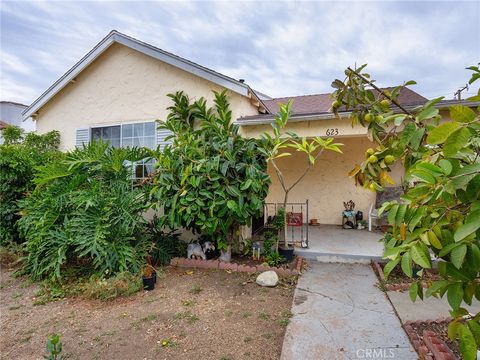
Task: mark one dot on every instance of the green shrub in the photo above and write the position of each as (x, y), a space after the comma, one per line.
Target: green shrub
(164, 245)
(85, 211)
(18, 157)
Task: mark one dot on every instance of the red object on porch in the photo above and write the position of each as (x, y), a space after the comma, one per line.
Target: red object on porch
(294, 219)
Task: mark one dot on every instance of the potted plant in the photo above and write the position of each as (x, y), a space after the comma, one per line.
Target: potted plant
(278, 223)
(362, 224)
(149, 275)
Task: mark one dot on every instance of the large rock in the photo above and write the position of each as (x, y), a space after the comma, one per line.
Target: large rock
(267, 278)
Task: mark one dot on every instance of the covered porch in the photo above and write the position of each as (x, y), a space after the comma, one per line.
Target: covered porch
(332, 243)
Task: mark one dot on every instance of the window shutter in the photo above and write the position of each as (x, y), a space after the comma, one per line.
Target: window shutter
(82, 137)
(161, 135)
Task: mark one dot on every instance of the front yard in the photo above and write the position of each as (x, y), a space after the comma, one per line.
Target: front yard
(190, 315)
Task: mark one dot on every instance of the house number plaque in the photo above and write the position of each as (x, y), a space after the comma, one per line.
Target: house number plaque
(331, 132)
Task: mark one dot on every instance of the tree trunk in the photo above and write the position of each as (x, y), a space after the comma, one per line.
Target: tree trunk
(285, 227)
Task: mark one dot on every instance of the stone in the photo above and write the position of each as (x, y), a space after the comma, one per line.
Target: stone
(267, 278)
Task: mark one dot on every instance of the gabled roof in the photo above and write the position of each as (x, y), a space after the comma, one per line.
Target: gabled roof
(147, 49)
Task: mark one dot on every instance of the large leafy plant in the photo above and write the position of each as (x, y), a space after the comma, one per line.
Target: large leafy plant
(19, 155)
(279, 142)
(210, 179)
(85, 211)
(439, 215)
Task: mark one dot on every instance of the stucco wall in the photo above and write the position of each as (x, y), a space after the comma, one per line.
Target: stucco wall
(327, 185)
(124, 85)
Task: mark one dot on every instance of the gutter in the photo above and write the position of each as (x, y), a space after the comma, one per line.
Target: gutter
(268, 119)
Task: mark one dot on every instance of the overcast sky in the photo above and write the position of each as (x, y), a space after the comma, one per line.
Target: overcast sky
(279, 48)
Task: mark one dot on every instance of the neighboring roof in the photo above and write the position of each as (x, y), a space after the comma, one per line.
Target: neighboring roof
(320, 103)
(147, 49)
(13, 103)
(3, 125)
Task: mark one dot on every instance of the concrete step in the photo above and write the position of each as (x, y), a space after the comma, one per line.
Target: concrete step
(336, 257)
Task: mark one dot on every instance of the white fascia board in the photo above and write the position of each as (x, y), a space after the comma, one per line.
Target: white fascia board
(114, 36)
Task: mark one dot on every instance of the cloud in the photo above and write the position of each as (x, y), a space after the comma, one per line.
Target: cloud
(280, 48)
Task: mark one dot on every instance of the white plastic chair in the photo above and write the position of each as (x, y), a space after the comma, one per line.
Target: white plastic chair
(372, 214)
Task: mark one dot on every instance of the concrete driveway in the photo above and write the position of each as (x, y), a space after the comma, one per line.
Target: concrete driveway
(339, 313)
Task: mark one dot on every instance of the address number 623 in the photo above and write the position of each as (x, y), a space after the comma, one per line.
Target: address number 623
(331, 132)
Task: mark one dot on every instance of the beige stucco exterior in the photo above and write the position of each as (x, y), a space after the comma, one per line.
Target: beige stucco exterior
(124, 85)
(327, 185)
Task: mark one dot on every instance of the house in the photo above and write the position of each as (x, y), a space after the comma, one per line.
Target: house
(11, 114)
(117, 90)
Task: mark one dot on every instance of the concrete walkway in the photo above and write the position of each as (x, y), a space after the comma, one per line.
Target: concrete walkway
(339, 313)
(430, 308)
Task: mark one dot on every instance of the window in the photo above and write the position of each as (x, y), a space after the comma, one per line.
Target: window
(130, 135)
(138, 135)
(107, 133)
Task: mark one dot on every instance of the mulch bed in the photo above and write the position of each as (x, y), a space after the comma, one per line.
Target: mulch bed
(191, 314)
(397, 280)
(430, 339)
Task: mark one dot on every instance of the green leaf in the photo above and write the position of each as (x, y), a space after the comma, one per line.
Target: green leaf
(456, 141)
(425, 176)
(407, 264)
(427, 113)
(419, 214)
(413, 291)
(466, 229)
(392, 213)
(458, 255)
(433, 240)
(475, 329)
(420, 256)
(462, 113)
(446, 166)
(468, 346)
(453, 330)
(400, 215)
(246, 184)
(390, 266)
(439, 134)
(455, 295)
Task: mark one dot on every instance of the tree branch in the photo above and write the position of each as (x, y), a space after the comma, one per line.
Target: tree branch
(380, 91)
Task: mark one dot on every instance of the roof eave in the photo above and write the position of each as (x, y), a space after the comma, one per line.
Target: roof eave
(147, 49)
(268, 119)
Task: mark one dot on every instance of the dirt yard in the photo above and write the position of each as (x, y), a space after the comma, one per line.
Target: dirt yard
(199, 315)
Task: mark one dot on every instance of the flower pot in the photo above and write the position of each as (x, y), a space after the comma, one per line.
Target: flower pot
(287, 253)
(149, 282)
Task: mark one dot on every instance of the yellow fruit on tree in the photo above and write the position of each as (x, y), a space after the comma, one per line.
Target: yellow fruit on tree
(369, 152)
(368, 118)
(379, 118)
(372, 159)
(372, 187)
(385, 103)
(389, 159)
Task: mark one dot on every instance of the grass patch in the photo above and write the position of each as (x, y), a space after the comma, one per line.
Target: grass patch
(247, 314)
(284, 319)
(187, 315)
(247, 339)
(188, 303)
(137, 324)
(264, 316)
(267, 335)
(122, 285)
(196, 289)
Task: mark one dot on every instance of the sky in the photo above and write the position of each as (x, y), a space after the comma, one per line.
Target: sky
(280, 48)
